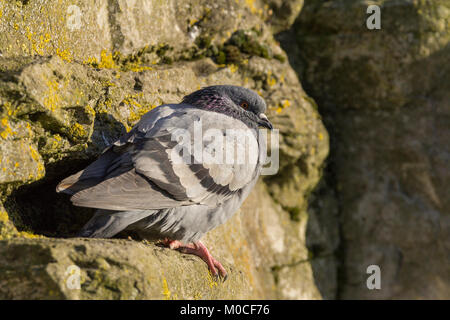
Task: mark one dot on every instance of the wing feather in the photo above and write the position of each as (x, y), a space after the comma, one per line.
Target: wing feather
(144, 170)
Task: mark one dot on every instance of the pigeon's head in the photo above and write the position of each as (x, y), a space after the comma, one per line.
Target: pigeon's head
(238, 102)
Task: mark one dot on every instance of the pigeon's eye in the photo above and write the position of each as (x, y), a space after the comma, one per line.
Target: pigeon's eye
(244, 104)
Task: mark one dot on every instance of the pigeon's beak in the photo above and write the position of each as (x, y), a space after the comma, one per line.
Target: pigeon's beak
(264, 121)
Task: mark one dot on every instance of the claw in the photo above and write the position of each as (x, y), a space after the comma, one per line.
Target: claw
(218, 277)
(215, 268)
(224, 277)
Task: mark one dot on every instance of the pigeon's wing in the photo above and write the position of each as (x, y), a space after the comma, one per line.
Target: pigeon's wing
(174, 157)
(97, 171)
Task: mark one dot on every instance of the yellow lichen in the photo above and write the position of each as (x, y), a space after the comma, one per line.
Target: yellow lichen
(106, 61)
(4, 216)
(110, 84)
(166, 292)
(135, 115)
(251, 5)
(91, 61)
(64, 54)
(47, 37)
(211, 281)
(52, 98)
(37, 158)
(29, 235)
(90, 110)
(103, 107)
(56, 141)
(9, 108)
(77, 130)
(233, 68)
(135, 67)
(197, 296)
(115, 61)
(282, 105)
(285, 103)
(5, 128)
(271, 81)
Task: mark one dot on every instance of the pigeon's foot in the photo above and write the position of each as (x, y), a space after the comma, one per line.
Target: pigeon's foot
(199, 249)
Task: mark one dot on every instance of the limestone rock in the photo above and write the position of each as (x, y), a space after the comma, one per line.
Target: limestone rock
(63, 101)
(384, 96)
(107, 269)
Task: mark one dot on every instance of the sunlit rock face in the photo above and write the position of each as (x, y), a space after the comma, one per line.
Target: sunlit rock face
(74, 77)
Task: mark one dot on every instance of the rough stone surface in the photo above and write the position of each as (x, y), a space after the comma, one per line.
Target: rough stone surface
(283, 13)
(63, 102)
(69, 87)
(71, 29)
(81, 30)
(384, 96)
(109, 269)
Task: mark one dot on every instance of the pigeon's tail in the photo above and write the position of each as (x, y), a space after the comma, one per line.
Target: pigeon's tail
(107, 223)
(89, 177)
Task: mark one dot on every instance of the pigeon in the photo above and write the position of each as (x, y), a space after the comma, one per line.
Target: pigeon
(181, 171)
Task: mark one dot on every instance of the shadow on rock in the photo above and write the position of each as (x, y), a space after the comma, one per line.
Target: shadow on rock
(36, 207)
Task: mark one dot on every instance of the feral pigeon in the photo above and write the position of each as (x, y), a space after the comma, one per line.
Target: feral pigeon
(181, 171)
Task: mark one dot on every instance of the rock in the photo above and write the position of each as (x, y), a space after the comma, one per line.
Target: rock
(59, 111)
(22, 162)
(384, 95)
(82, 31)
(70, 29)
(107, 269)
(283, 13)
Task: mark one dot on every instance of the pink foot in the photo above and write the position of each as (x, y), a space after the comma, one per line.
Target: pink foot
(199, 249)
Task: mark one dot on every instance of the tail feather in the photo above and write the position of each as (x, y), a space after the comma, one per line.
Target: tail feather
(107, 223)
(88, 177)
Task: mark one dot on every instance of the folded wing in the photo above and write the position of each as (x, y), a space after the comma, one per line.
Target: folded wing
(151, 168)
